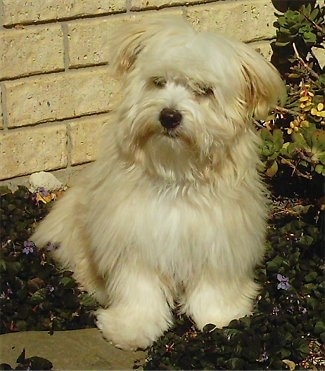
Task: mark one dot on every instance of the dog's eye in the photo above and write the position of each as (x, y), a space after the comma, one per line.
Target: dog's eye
(203, 91)
(159, 82)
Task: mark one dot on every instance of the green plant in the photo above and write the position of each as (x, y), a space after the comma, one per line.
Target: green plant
(34, 293)
(294, 140)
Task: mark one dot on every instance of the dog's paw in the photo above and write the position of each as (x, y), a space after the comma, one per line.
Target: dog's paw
(129, 330)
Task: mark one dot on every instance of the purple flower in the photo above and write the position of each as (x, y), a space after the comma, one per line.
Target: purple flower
(283, 282)
(28, 247)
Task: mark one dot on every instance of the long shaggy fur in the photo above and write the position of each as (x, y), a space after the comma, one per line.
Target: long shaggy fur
(171, 216)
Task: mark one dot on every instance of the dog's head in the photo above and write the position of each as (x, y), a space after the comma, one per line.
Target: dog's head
(187, 96)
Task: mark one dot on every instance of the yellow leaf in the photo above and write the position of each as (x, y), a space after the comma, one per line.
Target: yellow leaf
(314, 111)
(320, 106)
(290, 364)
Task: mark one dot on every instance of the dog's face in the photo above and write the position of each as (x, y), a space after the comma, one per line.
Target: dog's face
(188, 96)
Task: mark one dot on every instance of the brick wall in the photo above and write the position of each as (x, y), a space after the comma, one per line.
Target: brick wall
(55, 89)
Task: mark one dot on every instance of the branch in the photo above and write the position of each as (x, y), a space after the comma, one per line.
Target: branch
(319, 28)
(258, 124)
(312, 72)
(295, 170)
(305, 158)
(286, 110)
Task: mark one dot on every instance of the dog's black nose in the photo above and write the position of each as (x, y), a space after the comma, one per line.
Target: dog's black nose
(170, 118)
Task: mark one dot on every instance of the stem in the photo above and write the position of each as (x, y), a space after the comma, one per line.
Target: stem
(258, 124)
(312, 72)
(286, 110)
(295, 170)
(319, 28)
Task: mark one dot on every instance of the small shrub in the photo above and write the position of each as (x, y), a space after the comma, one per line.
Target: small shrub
(34, 293)
(294, 141)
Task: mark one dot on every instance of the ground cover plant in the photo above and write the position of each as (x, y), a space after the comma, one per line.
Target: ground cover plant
(287, 330)
(34, 293)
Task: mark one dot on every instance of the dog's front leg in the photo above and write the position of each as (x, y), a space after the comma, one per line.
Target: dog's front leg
(216, 299)
(139, 312)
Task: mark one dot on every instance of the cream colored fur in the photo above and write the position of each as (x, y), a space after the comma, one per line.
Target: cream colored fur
(175, 217)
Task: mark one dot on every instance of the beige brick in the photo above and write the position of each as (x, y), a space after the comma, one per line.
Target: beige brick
(88, 41)
(58, 96)
(30, 11)
(156, 4)
(28, 150)
(85, 136)
(25, 51)
(244, 20)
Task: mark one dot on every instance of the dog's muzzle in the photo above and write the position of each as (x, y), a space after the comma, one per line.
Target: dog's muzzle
(170, 118)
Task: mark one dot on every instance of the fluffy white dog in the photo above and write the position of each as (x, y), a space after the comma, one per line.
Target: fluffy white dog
(173, 211)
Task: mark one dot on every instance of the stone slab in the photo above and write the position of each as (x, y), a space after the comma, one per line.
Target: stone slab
(68, 350)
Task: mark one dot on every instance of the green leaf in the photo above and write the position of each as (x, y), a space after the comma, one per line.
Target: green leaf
(272, 170)
(314, 14)
(38, 296)
(278, 138)
(3, 265)
(310, 277)
(68, 282)
(319, 327)
(275, 264)
(309, 37)
(282, 43)
(306, 240)
(235, 363)
(39, 363)
(88, 300)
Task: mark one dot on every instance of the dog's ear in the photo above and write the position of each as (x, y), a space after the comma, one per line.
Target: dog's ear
(126, 42)
(263, 87)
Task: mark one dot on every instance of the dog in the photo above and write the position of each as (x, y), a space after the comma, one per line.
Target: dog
(172, 214)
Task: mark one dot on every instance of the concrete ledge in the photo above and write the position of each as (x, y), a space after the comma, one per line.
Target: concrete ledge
(68, 350)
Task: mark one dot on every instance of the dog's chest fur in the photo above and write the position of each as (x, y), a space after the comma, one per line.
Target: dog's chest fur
(175, 229)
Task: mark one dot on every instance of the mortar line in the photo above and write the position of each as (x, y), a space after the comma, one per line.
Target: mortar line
(4, 107)
(66, 46)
